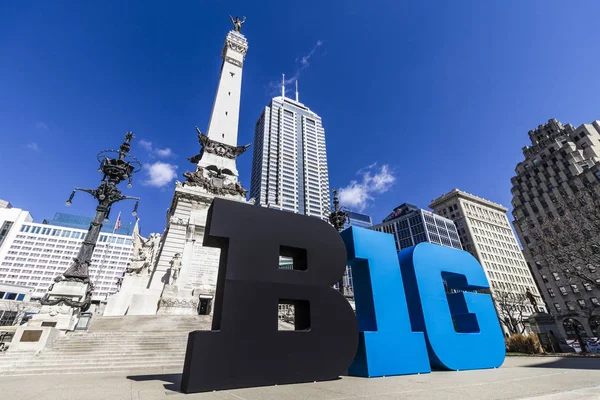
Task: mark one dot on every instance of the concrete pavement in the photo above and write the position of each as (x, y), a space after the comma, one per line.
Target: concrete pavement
(519, 378)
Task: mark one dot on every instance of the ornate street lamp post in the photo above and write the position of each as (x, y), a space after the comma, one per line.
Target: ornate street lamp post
(116, 166)
(337, 218)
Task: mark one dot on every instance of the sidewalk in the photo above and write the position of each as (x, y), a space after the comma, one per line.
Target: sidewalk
(519, 378)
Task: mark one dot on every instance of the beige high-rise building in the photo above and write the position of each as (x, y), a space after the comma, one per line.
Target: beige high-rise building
(485, 232)
(561, 163)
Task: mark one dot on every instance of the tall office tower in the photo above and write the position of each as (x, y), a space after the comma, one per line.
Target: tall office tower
(561, 166)
(411, 225)
(289, 164)
(33, 254)
(485, 232)
(357, 219)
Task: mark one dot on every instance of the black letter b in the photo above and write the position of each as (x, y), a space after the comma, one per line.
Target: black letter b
(245, 347)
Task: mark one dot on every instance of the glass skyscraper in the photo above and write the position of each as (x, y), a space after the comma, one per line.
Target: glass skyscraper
(289, 164)
(358, 219)
(411, 225)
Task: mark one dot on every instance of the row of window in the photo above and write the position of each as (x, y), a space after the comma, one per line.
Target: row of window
(581, 302)
(67, 234)
(11, 296)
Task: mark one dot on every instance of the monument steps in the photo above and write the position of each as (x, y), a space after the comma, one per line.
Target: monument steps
(113, 344)
(133, 369)
(150, 323)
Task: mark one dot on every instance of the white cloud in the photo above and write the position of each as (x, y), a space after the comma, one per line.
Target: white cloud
(160, 153)
(146, 144)
(163, 153)
(33, 146)
(358, 194)
(274, 87)
(42, 126)
(160, 174)
(305, 61)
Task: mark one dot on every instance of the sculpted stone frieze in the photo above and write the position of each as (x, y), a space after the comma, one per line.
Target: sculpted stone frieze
(213, 147)
(179, 303)
(213, 184)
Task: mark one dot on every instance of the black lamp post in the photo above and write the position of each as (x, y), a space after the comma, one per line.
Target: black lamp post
(337, 218)
(117, 166)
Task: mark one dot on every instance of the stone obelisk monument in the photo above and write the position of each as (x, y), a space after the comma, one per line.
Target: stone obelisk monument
(183, 280)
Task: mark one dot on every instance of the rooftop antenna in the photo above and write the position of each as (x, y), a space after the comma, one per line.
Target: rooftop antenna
(296, 89)
(282, 85)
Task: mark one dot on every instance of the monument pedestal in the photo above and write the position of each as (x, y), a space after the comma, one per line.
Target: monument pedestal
(545, 327)
(196, 285)
(120, 302)
(64, 314)
(175, 301)
(53, 319)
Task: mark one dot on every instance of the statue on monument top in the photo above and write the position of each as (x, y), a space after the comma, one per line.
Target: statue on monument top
(237, 23)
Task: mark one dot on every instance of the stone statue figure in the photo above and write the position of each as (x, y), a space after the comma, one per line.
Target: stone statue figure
(532, 300)
(146, 251)
(175, 268)
(138, 263)
(237, 23)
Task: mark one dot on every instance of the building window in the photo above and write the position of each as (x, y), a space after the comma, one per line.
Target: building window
(4, 230)
(563, 290)
(587, 287)
(575, 289)
(595, 301)
(545, 278)
(8, 318)
(10, 296)
(556, 276)
(557, 307)
(570, 306)
(551, 292)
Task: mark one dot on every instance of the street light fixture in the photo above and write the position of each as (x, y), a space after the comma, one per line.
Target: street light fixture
(116, 166)
(338, 218)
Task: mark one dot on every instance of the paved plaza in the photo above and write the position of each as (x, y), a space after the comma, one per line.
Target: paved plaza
(519, 378)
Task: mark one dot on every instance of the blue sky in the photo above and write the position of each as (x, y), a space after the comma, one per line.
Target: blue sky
(417, 98)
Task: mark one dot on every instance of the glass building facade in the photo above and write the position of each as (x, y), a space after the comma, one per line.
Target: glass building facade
(33, 254)
(82, 222)
(289, 163)
(411, 225)
(358, 219)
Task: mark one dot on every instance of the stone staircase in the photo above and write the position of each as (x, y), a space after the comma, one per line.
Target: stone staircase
(114, 344)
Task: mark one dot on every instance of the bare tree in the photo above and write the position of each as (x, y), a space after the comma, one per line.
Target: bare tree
(17, 310)
(567, 241)
(12, 312)
(511, 308)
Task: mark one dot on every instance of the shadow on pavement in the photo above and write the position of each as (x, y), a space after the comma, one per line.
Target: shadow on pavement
(571, 363)
(174, 380)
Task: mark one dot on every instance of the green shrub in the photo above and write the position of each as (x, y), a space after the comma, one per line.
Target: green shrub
(523, 344)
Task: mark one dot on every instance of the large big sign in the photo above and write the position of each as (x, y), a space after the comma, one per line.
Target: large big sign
(405, 321)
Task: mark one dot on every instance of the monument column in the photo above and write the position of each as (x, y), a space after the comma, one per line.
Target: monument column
(215, 175)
